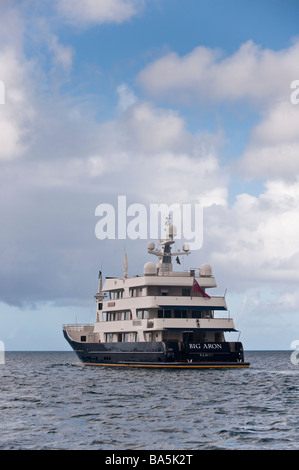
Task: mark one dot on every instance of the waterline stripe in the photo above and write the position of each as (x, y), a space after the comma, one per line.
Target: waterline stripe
(170, 366)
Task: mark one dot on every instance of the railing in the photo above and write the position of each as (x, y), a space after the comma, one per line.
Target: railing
(75, 327)
(191, 323)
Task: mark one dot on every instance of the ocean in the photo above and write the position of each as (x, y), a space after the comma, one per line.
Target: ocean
(49, 401)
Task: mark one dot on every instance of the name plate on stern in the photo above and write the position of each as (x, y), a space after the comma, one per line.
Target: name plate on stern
(193, 347)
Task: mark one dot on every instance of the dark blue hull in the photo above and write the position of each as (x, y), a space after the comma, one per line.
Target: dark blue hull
(160, 354)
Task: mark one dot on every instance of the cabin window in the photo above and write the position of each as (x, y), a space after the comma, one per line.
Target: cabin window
(186, 292)
(164, 313)
(133, 293)
(83, 338)
(136, 292)
(196, 314)
(128, 337)
(128, 315)
(180, 314)
(108, 337)
(100, 306)
(148, 336)
(116, 294)
(142, 314)
(164, 292)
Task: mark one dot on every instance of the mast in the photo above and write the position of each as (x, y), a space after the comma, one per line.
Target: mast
(165, 254)
(100, 295)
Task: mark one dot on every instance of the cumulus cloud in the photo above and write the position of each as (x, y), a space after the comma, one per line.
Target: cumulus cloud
(91, 12)
(75, 163)
(260, 77)
(258, 236)
(273, 147)
(17, 113)
(208, 75)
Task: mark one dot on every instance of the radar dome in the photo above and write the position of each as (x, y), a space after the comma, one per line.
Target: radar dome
(186, 247)
(150, 246)
(150, 269)
(205, 270)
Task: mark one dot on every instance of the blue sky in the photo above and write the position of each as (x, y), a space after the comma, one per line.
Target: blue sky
(164, 101)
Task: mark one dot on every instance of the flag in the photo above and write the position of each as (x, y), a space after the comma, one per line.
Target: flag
(196, 288)
(178, 260)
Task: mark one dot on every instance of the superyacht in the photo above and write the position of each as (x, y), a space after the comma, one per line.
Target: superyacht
(161, 319)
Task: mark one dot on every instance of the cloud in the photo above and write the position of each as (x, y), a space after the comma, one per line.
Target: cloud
(91, 12)
(253, 75)
(258, 236)
(273, 147)
(62, 55)
(17, 113)
(127, 98)
(208, 75)
(156, 151)
(49, 194)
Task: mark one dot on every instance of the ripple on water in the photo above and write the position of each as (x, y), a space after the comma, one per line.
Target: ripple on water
(50, 401)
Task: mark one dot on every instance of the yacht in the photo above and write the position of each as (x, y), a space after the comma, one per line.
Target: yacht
(161, 319)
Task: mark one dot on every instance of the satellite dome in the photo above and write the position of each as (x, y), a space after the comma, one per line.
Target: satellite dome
(150, 246)
(150, 269)
(205, 270)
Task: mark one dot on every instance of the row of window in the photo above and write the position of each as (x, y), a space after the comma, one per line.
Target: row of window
(119, 294)
(144, 314)
(124, 315)
(138, 291)
(185, 314)
(130, 336)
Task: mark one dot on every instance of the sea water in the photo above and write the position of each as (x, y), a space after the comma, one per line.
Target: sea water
(50, 401)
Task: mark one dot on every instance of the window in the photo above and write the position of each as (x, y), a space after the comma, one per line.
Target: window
(148, 336)
(129, 337)
(167, 313)
(186, 292)
(136, 292)
(142, 314)
(116, 294)
(196, 314)
(108, 337)
(127, 315)
(83, 338)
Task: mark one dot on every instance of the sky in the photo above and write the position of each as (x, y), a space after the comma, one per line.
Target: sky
(160, 101)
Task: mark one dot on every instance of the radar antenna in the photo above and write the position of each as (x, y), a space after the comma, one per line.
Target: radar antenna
(165, 254)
